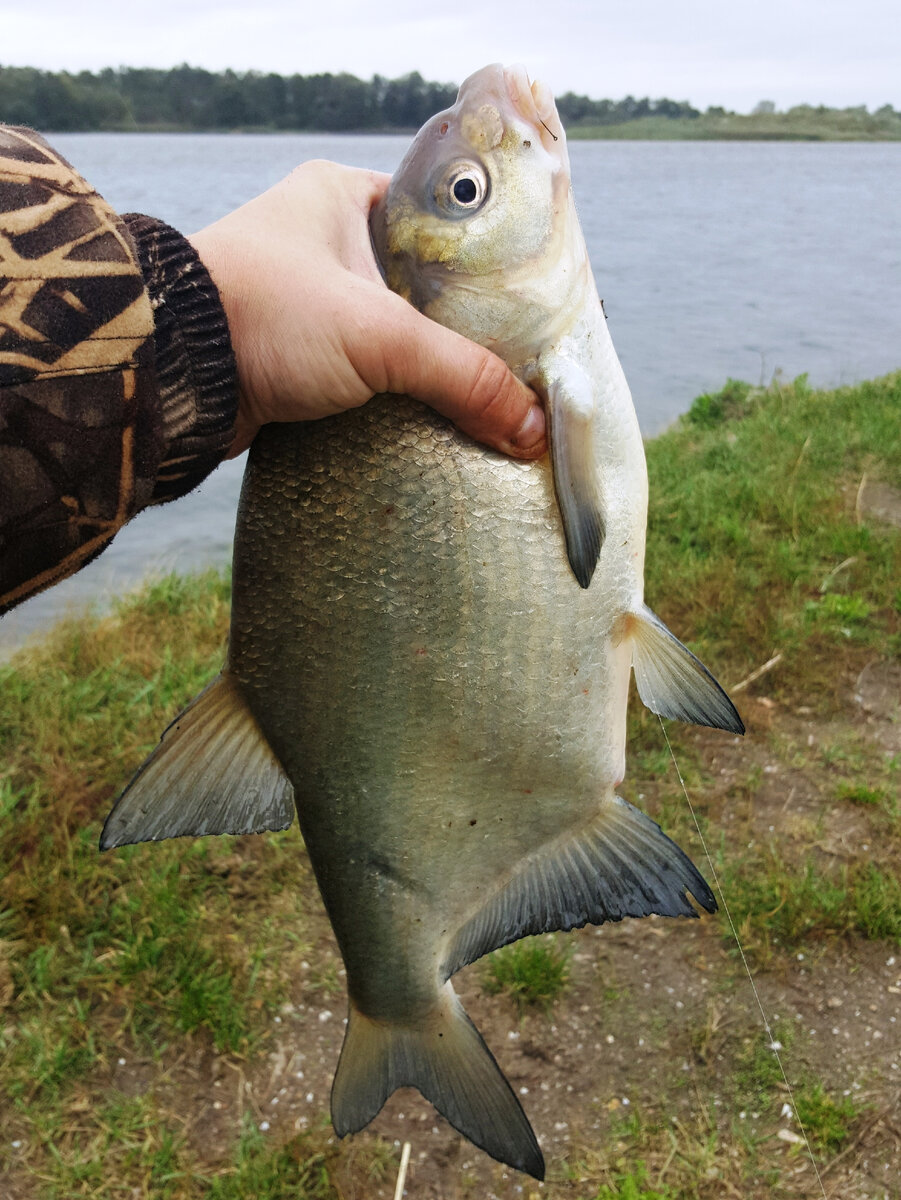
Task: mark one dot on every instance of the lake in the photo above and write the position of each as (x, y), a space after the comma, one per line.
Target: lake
(714, 259)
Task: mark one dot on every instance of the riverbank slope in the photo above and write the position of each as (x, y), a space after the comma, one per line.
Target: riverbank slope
(170, 1015)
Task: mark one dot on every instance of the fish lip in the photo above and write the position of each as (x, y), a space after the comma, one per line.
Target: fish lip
(522, 93)
(519, 89)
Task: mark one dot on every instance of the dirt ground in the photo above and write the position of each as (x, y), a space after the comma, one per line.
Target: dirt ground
(655, 1017)
(639, 1059)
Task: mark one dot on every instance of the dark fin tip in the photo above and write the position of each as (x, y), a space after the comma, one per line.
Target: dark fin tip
(584, 542)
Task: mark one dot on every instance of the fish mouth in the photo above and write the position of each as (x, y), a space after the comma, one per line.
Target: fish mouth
(532, 100)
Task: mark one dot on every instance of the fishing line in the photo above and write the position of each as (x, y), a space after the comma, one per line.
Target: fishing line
(766, 1024)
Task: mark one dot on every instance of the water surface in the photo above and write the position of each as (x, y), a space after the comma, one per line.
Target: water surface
(714, 259)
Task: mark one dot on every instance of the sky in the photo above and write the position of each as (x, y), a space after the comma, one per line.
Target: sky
(730, 52)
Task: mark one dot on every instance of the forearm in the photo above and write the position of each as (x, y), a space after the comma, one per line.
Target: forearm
(117, 382)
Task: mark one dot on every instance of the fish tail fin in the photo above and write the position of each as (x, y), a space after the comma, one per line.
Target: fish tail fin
(445, 1057)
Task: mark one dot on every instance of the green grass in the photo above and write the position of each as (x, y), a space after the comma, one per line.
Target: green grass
(632, 1184)
(182, 951)
(828, 1120)
(533, 972)
(139, 950)
(757, 1075)
(684, 1158)
(753, 510)
(859, 793)
(298, 1170)
(777, 906)
(128, 1139)
(133, 1139)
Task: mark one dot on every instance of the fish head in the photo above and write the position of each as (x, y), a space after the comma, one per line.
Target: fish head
(478, 220)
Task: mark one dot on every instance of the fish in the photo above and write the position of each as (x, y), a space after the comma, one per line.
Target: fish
(431, 643)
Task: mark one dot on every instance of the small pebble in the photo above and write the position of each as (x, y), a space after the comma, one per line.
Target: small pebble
(788, 1135)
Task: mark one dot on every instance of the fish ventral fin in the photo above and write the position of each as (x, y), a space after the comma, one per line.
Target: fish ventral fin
(672, 682)
(623, 865)
(213, 772)
(574, 459)
(445, 1057)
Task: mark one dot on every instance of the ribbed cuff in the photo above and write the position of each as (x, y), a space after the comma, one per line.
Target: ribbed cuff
(195, 364)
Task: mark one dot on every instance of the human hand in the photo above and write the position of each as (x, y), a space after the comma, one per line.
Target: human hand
(316, 331)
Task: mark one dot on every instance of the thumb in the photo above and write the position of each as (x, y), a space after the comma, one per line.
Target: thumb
(466, 382)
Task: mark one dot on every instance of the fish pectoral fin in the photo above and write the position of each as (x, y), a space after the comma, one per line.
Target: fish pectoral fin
(212, 772)
(672, 682)
(444, 1056)
(574, 460)
(623, 865)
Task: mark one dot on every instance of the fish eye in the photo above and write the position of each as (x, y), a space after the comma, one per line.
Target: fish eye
(466, 190)
(463, 189)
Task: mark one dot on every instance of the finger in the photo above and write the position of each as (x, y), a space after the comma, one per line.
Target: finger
(378, 185)
(464, 381)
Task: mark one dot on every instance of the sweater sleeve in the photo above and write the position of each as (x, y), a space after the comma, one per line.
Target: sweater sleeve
(118, 386)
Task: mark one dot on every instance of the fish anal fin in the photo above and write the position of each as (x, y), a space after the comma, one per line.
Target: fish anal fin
(574, 460)
(672, 682)
(212, 772)
(623, 865)
(445, 1057)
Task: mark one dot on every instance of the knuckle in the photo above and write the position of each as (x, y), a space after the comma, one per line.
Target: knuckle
(490, 394)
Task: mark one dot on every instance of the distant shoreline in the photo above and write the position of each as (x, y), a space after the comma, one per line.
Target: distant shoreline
(186, 99)
(633, 131)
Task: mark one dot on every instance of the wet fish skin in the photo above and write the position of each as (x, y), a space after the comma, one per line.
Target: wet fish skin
(412, 662)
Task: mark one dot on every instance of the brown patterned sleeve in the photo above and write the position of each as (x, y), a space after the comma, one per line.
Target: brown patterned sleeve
(117, 382)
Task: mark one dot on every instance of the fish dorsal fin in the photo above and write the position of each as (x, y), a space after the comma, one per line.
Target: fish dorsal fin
(213, 772)
(672, 682)
(574, 459)
(623, 865)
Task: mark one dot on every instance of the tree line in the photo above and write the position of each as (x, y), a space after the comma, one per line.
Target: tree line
(185, 97)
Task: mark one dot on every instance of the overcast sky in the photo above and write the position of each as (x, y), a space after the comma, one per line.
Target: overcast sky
(730, 52)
